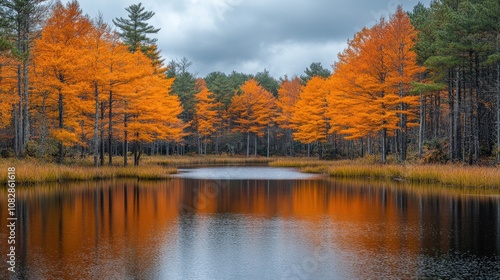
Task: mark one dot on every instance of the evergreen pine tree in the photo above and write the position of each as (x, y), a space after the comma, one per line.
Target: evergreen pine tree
(135, 31)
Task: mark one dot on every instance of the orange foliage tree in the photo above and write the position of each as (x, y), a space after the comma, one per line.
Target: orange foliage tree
(8, 86)
(60, 56)
(82, 72)
(252, 111)
(288, 95)
(371, 83)
(206, 115)
(309, 117)
(149, 111)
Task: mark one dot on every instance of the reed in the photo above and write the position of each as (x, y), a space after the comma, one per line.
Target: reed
(152, 168)
(31, 171)
(451, 175)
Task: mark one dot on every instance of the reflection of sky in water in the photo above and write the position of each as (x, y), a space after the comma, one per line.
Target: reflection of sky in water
(244, 173)
(254, 229)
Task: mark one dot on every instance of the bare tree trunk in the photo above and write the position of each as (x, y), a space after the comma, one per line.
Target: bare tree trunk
(369, 145)
(101, 145)
(456, 118)
(255, 144)
(217, 143)
(110, 129)
(384, 145)
(421, 126)
(44, 126)
(125, 141)
(26, 123)
(96, 125)
(498, 100)
(470, 111)
(61, 125)
(16, 129)
(248, 143)
(268, 132)
(451, 143)
(19, 127)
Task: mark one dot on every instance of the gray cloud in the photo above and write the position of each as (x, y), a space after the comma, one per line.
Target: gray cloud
(247, 36)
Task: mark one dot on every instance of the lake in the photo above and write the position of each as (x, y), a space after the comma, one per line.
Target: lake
(252, 223)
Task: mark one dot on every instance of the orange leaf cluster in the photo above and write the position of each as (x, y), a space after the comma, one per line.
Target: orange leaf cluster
(370, 88)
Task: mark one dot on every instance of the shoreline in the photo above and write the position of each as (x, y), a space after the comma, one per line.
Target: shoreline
(30, 171)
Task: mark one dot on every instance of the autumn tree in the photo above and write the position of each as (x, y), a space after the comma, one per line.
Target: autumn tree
(288, 95)
(59, 54)
(309, 118)
(224, 87)
(372, 81)
(8, 84)
(148, 110)
(206, 116)
(252, 111)
(19, 24)
(403, 60)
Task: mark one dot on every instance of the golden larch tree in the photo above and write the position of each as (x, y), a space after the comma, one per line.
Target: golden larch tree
(206, 115)
(288, 95)
(252, 111)
(309, 116)
(60, 54)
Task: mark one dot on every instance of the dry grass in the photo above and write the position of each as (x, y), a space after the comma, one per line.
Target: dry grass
(452, 175)
(31, 171)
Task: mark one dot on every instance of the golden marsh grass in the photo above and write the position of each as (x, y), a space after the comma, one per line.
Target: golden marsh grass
(31, 171)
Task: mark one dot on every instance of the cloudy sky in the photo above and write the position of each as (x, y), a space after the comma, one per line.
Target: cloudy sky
(281, 36)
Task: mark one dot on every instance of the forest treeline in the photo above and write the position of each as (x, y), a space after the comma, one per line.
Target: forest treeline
(420, 85)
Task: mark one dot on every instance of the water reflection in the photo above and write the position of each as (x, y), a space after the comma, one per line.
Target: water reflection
(253, 229)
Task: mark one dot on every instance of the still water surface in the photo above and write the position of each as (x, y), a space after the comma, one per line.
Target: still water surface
(253, 223)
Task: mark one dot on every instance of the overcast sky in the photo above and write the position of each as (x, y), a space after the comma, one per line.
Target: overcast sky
(282, 36)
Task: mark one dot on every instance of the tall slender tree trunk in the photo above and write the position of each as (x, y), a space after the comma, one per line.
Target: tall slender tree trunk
(61, 125)
(136, 150)
(26, 122)
(16, 129)
(498, 100)
(125, 141)
(19, 113)
(470, 111)
(268, 132)
(421, 125)
(110, 129)
(248, 143)
(255, 144)
(44, 126)
(384, 145)
(217, 143)
(96, 125)
(369, 145)
(456, 118)
(101, 140)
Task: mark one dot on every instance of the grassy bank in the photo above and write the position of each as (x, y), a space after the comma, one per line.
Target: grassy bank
(452, 175)
(32, 171)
